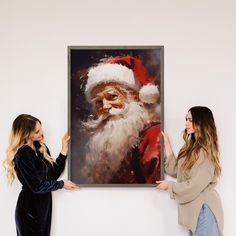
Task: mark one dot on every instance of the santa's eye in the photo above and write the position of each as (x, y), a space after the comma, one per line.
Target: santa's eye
(112, 96)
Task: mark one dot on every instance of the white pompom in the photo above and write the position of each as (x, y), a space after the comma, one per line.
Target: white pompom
(149, 94)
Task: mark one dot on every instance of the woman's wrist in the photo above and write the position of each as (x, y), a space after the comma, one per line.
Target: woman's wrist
(64, 153)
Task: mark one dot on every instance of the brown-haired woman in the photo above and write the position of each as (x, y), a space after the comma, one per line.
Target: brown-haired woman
(196, 168)
(30, 159)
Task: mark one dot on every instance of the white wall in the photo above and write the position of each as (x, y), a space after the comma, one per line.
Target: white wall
(199, 39)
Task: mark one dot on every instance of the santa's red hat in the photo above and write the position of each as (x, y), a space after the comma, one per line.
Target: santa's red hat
(124, 70)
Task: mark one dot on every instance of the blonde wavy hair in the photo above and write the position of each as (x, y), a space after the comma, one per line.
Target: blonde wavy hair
(22, 128)
(204, 138)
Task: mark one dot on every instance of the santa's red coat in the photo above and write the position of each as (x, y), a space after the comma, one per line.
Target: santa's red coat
(142, 164)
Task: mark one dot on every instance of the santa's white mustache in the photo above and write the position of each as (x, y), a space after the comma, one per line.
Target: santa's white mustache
(118, 111)
(93, 124)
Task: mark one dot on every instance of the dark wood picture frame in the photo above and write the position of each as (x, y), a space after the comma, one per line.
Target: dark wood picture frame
(80, 60)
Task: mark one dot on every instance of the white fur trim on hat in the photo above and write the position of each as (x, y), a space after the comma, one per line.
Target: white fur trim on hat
(106, 73)
(149, 94)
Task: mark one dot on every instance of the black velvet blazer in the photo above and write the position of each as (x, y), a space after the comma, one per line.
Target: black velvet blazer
(38, 178)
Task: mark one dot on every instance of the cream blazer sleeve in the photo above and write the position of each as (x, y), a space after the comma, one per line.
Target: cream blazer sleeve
(194, 182)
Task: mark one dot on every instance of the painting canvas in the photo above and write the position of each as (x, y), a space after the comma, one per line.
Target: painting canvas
(116, 109)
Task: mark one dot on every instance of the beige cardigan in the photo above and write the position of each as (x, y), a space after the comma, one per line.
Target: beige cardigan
(192, 189)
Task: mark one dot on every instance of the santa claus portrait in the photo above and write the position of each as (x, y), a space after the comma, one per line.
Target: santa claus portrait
(115, 115)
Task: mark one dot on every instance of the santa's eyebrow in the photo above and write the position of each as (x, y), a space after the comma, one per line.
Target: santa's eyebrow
(95, 99)
(112, 92)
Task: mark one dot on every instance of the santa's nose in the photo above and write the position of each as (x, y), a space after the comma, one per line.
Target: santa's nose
(106, 105)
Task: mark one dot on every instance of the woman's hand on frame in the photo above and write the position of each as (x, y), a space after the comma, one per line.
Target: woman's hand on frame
(68, 185)
(162, 185)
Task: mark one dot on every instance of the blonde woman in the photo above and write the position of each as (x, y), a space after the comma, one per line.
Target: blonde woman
(29, 158)
(196, 168)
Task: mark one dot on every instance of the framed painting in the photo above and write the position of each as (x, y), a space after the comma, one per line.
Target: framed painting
(116, 109)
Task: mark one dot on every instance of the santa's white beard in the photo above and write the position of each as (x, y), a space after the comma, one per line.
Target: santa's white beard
(113, 136)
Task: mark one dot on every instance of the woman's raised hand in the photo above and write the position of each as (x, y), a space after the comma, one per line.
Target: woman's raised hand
(168, 148)
(64, 144)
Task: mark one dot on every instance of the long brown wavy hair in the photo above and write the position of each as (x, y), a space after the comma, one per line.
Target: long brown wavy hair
(22, 128)
(204, 138)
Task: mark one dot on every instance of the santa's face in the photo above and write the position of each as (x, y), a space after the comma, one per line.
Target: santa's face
(107, 97)
(114, 132)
